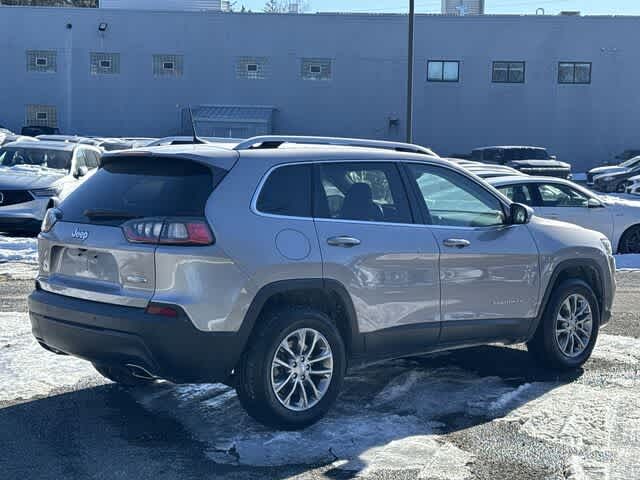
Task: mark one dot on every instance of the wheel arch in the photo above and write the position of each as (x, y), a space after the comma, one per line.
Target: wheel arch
(329, 296)
(621, 237)
(584, 269)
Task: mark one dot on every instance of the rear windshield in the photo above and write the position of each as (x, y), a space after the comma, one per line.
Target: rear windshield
(130, 187)
(36, 157)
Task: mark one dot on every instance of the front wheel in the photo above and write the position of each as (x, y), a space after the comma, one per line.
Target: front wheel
(630, 241)
(569, 327)
(293, 368)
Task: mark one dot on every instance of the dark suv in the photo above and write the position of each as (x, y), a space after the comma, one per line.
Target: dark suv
(529, 160)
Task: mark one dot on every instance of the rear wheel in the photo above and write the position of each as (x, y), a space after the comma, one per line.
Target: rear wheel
(569, 327)
(293, 369)
(121, 375)
(630, 241)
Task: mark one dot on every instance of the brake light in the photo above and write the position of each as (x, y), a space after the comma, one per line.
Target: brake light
(168, 231)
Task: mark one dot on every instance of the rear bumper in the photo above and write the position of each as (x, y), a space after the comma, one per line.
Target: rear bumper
(169, 348)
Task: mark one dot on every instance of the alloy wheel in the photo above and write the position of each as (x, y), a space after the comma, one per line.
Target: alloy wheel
(301, 369)
(574, 325)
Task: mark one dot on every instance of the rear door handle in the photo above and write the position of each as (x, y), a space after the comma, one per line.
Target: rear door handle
(343, 241)
(456, 243)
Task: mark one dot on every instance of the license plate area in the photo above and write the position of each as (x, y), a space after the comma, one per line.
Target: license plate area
(86, 264)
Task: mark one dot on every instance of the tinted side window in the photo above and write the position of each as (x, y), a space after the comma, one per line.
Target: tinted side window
(361, 191)
(91, 159)
(454, 200)
(287, 191)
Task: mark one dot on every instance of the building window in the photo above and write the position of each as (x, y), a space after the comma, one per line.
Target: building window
(316, 69)
(104, 63)
(167, 65)
(443, 71)
(41, 61)
(252, 68)
(41, 116)
(574, 72)
(508, 72)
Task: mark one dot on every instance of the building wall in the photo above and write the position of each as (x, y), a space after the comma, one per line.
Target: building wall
(583, 124)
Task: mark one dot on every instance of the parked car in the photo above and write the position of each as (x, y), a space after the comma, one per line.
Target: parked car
(484, 170)
(35, 130)
(563, 200)
(12, 137)
(529, 160)
(35, 175)
(614, 178)
(367, 250)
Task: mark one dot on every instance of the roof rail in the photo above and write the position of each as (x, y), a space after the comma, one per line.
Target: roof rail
(274, 141)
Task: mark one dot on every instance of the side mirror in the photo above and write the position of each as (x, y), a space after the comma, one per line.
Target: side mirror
(594, 203)
(553, 157)
(81, 172)
(520, 214)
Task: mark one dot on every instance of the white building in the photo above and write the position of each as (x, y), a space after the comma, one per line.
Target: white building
(179, 5)
(462, 7)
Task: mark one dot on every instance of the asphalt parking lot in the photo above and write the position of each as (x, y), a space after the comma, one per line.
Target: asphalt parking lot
(483, 413)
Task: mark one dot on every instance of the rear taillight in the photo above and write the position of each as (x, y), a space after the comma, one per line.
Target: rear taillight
(50, 219)
(168, 231)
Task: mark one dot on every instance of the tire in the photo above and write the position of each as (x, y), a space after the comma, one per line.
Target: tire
(630, 240)
(121, 376)
(259, 374)
(546, 344)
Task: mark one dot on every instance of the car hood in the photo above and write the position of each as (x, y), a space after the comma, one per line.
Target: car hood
(538, 164)
(28, 177)
(611, 169)
(621, 202)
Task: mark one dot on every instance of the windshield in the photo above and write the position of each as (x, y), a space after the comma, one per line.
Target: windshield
(57, 159)
(511, 154)
(633, 162)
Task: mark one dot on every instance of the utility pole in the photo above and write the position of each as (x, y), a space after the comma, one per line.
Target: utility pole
(409, 126)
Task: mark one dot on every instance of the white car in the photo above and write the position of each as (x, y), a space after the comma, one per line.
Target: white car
(36, 175)
(559, 199)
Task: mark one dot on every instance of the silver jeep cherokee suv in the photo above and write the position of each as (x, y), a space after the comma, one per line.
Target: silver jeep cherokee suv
(275, 265)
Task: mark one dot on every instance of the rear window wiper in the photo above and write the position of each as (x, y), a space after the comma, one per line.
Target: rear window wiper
(109, 214)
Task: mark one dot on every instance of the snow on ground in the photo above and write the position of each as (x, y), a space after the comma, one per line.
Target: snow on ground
(390, 417)
(14, 249)
(26, 369)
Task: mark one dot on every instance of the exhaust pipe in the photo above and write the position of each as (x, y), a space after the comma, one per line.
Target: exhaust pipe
(141, 372)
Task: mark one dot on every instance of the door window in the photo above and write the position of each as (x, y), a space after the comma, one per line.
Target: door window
(91, 159)
(452, 199)
(558, 195)
(361, 191)
(518, 193)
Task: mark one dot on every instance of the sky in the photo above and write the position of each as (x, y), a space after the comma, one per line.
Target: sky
(587, 7)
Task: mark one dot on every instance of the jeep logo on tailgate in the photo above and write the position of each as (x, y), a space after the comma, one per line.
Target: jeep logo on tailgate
(80, 234)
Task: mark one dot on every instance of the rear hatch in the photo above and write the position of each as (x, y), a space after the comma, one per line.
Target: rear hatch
(103, 246)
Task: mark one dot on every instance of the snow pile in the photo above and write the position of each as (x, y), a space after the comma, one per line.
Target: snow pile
(24, 250)
(27, 370)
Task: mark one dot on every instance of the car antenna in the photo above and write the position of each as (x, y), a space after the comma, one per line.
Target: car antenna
(196, 139)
